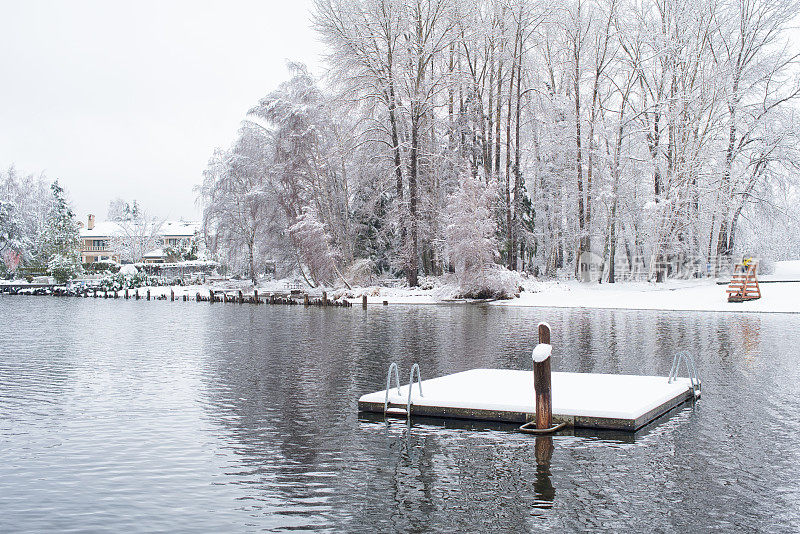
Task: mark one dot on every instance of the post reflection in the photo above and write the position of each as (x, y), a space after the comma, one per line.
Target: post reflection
(545, 491)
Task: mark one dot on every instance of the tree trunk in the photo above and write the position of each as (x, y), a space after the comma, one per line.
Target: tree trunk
(398, 168)
(412, 262)
(578, 156)
(489, 159)
(517, 169)
(251, 260)
(498, 121)
(612, 245)
(507, 181)
(725, 186)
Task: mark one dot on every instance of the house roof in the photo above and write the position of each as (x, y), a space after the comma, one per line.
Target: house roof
(101, 229)
(157, 253)
(167, 229)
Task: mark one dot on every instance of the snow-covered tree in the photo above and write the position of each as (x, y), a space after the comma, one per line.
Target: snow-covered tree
(241, 220)
(470, 229)
(136, 235)
(287, 169)
(120, 210)
(314, 245)
(646, 134)
(60, 245)
(12, 236)
(26, 202)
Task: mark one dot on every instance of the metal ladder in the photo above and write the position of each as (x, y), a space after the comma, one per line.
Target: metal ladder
(691, 370)
(399, 411)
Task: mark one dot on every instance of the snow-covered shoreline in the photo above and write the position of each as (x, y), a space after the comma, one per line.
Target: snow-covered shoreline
(781, 294)
(673, 295)
(677, 295)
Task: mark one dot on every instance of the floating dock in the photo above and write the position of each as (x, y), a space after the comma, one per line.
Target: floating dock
(584, 400)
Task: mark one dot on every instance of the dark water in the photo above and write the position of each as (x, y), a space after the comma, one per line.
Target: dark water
(157, 416)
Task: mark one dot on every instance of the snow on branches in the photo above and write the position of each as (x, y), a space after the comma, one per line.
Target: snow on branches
(314, 246)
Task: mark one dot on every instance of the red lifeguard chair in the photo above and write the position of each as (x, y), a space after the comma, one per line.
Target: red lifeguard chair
(744, 284)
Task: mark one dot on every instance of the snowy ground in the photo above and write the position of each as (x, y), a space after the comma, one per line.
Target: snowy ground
(689, 295)
(697, 295)
(786, 270)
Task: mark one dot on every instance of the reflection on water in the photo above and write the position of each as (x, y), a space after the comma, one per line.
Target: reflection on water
(545, 492)
(128, 415)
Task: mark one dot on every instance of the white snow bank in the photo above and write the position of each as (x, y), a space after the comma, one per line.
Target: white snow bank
(683, 295)
(787, 270)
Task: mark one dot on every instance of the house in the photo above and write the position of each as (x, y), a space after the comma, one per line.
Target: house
(97, 240)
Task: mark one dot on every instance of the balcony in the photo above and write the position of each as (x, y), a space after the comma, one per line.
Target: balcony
(95, 249)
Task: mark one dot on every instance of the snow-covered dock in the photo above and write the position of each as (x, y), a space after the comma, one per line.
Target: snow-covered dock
(621, 402)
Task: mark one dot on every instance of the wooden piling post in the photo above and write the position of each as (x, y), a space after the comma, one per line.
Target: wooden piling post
(324, 298)
(95, 293)
(241, 297)
(185, 297)
(305, 300)
(137, 293)
(148, 294)
(364, 301)
(197, 297)
(272, 298)
(116, 294)
(126, 294)
(210, 295)
(255, 296)
(171, 294)
(541, 379)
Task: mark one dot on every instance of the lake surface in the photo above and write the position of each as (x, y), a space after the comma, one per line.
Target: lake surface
(134, 416)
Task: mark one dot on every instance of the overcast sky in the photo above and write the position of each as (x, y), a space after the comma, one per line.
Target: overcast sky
(128, 99)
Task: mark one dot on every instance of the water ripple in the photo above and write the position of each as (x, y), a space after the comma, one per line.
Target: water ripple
(159, 416)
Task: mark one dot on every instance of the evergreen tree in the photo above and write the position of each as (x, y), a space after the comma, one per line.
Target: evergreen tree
(60, 244)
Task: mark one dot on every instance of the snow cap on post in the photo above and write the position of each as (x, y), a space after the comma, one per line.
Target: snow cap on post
(541, 352)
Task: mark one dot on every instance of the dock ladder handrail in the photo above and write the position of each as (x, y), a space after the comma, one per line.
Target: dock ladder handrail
(393, 371)
(392, 367)
(411, 386)
(688, 361)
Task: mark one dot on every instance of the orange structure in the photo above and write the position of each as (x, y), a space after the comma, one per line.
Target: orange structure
(744, 284)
